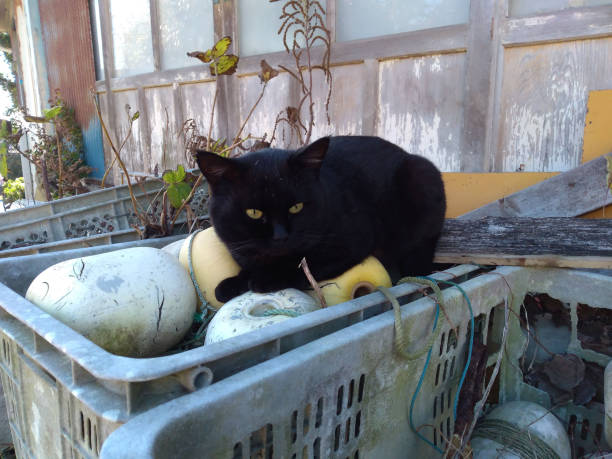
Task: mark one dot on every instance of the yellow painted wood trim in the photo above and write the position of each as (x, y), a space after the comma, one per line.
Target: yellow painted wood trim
(469, 191)
(598, 124)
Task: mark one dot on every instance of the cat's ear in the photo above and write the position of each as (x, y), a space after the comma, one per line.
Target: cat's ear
(311, 156)
(215, 167)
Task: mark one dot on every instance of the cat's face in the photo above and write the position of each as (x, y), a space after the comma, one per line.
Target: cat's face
(269, 204)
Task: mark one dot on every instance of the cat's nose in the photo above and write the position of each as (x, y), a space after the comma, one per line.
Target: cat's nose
(279, 232)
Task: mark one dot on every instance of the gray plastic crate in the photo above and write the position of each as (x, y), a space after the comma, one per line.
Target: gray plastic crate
(65, 395)
(97, 218)
(348, 394)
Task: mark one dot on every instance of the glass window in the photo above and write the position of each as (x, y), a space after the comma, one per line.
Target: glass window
(258, 24)
(370, 18)
(529, 7)
(132, 44)
(185, 25)
(96, 36)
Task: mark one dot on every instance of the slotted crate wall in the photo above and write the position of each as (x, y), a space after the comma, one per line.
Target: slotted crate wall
(348, 394)
(96, 218)
(87, 393)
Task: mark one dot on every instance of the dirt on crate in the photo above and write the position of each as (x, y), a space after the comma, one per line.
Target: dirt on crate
(565, 376)
(595, 329)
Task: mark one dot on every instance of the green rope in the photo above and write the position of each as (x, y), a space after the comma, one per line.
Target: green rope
(400, 335)
(192, 272)
(281, 312)
(519, 441)
(208, 313)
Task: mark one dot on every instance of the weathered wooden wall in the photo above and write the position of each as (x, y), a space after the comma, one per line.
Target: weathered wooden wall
(497, 94)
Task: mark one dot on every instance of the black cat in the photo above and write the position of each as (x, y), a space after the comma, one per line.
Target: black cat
(334, 202)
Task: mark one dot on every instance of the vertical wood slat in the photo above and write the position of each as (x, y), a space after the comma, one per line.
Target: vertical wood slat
(144, 131)
(177, 102)
(227, 111)
(482, 53)
(330, 19)
(370, 97)
(497, 78)
(109, 71)
(220, 113)
(155, 29)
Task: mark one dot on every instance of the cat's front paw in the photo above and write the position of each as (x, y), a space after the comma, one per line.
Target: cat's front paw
(230, 288)
(265, 285)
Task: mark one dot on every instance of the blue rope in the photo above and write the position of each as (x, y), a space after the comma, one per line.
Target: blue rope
(471, 344)
(418, 388)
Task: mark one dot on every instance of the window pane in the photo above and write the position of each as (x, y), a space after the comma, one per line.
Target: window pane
(258, 22)
(132, 46)
(96, 32)
(529, 7)
(370, 18)
(185, 25)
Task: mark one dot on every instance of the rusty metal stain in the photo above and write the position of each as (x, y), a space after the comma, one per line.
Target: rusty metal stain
(66, 31)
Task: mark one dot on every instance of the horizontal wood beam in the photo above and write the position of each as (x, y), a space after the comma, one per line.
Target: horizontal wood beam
(565, 25)
(557, 242)
(441, 40)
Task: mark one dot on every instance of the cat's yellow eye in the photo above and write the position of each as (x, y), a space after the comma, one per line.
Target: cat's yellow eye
(294, 209)
(255, 214)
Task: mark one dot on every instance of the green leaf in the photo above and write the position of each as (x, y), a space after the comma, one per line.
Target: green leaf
(35, 119)
(4, 129)
(220, 47)
(180, 173)
(3, 163)
(52, 112)
(135, 116)
(170, 177)
(225, 65)
(177, 193)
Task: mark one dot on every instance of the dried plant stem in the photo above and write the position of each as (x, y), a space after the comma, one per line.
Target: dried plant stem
(45, 177)
(315, 285)
(261, 94)
(118, 157)
(212, 112)
(60, 191)
(106, 172)
(480, 405)
(234, 145)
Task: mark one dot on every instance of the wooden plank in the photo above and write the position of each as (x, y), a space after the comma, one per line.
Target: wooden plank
(440, 40)
(469, 191)
(155, 30)
(145, 130)
(597, 137)
(481, 59)
(560, 242)
(570, 194)
(543, 103)
(370, 104)
(107, 108)
(565, 25)
(420, 100)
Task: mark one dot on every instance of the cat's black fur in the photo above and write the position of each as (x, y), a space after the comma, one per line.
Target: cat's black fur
(361, 196)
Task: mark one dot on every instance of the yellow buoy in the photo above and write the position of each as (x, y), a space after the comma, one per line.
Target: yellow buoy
(357, 281)
(211, 260)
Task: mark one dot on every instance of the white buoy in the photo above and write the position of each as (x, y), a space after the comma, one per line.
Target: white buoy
(250, 311)
(523, 424)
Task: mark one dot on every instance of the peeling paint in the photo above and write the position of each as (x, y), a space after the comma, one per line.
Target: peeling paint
(416, 114)
(544, 103)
